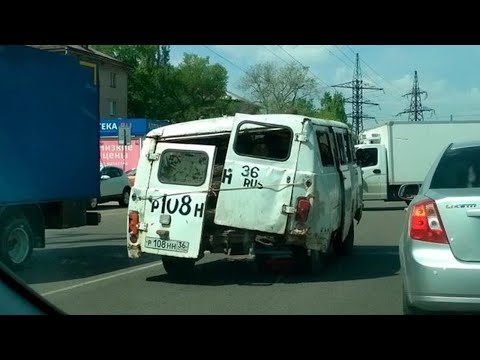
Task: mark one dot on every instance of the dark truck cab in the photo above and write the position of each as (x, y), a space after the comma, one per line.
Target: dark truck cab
(49, 148)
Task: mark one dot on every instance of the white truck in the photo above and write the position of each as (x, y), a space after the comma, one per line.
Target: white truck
(401, 152)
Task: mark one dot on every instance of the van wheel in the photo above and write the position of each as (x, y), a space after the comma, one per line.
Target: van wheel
(178, 268)
(16, 242)
(345, 247)
(125, 197)
(312, 264)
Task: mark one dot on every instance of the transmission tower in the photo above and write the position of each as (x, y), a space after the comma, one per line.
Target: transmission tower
(357, 85)
(416, 110)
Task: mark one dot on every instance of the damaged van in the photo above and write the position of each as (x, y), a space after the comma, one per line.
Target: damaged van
(252, 187)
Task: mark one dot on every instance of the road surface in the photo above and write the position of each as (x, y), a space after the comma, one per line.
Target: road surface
(86, 271)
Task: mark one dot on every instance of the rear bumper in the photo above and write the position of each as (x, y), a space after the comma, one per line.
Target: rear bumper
(435, 280)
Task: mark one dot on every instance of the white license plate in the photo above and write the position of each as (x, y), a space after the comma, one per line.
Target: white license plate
(168, 245)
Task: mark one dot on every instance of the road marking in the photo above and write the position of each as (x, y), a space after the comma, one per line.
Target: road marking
(101, 279)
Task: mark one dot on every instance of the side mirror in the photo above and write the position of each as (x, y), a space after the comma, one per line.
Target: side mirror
(408, 191)
(104, 177)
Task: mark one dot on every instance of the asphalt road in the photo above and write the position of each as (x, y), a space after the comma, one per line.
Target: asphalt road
(86, 271)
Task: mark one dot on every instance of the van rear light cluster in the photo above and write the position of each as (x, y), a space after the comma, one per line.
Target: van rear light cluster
(426, 224)
(133, 226)
(303, 208)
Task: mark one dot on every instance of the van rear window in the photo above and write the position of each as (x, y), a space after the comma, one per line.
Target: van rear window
(263, 141)
(183, 167)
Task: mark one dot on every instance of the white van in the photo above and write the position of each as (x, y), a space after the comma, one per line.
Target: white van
(250, 186)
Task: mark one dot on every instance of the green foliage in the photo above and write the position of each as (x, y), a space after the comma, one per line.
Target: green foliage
(333, 107)
(156, 89)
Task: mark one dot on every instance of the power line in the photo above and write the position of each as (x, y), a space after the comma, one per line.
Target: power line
(380, 76)
(306, 67)
(224, 58)
(416, 110)
(278, 56)
(339, 49)
(357, 85)
(350, 66)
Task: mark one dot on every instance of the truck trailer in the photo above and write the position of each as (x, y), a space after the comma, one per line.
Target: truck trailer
(49, 147)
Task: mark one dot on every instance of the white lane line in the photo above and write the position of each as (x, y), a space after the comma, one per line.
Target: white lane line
(101, 279)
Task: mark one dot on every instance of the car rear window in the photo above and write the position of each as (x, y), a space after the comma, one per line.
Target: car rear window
(457, 169)
(263, 141)
(183, 167)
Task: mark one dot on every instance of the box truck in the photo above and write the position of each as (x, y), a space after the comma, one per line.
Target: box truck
(401, 152)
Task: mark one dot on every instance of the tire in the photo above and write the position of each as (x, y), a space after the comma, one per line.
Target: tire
(345, 248)
(92, 204)
(16, 242)
(125, 199)
(178, 268)
(312, 264)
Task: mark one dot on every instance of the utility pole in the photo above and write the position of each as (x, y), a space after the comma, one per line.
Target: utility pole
(416, 110)
(358, 85)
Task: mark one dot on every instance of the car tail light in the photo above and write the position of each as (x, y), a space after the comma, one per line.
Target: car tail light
(133, 226)
(426, 224)
(303, 208)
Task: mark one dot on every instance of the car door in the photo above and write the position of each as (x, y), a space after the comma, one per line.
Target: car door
(175, 199)
(259, 174)
(373, 160)
(345, 177)
(118, 182)
(107, 187)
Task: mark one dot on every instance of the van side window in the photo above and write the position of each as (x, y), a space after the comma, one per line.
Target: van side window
(325, 148)
(341, 149)
(354, 153)
(348, 146)
(263, 141)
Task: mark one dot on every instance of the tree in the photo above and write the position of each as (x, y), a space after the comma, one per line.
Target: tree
(332, 107)
(200, 88)
(280, 89)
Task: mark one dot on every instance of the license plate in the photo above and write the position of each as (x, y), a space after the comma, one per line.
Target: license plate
(168, 245)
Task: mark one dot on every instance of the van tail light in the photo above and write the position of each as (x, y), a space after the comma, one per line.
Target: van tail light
(133, 226)
(426, 223)
(303, 208)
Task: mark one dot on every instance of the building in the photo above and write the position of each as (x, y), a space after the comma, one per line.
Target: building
(109, 72)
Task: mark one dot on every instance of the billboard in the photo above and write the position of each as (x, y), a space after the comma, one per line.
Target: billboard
(112, 154)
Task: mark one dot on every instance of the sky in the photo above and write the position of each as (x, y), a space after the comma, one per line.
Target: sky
(450, 74)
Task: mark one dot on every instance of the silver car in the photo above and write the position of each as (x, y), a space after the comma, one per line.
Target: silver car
(440, 242)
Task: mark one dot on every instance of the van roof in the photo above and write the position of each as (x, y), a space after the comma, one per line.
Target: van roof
(225, 124)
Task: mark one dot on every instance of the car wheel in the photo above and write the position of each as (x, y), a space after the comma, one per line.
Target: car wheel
(344, 248)
(125, 197)
(16, 242)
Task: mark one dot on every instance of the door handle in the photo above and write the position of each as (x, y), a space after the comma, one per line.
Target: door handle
(473, 213)
(377, 171)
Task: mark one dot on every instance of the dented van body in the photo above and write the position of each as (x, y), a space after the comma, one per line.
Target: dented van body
(248, 186)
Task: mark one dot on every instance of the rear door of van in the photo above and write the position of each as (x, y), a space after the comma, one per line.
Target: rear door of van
(259, 174)
(175, 198)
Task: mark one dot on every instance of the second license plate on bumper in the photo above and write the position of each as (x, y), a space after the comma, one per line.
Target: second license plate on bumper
(168, 245)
